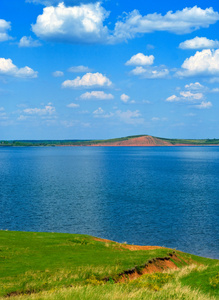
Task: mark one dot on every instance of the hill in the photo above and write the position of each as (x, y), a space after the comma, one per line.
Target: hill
(71, 266)
(137, 140)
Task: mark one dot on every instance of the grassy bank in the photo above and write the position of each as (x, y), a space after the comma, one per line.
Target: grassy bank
(69, 266)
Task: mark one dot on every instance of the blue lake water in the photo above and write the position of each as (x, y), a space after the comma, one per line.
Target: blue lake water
(167, 196)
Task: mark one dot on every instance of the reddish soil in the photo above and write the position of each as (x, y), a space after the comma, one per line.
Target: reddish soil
(153, 266)
(142, 141)
(138, 141)
(159, 264)
(129, 247)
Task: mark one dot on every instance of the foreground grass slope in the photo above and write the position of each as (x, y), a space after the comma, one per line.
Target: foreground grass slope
(70, 266)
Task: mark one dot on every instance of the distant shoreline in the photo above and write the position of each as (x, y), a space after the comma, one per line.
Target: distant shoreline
(129, 141)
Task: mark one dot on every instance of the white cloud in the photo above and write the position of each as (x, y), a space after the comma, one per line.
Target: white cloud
(150, 47)
(138, 71)
(205, 62)
(4, 28)
(204, 105)
(199, 43)
(159, 119)
(125, 98)
(73, 105)
(58, 74)
(77, 24)
(84, 23)
(55, 2)
(150, 73)
(214, 80)
(130, 117)
(99, 111)
(140, 60)
(173, 98)
(47, 110)
(79, 69)
(88, 80)
(22, 118)
(191, 96)
(96, 95)
(3, 115)
(8, 68)
(180, 22)
(215, 90)
(28, 42)
(194, 86)
(190, 115)
(186, 96)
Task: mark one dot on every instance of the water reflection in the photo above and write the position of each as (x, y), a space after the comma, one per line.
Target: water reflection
(164, 196)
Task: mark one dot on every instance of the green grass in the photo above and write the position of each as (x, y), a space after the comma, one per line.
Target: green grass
(70, 266)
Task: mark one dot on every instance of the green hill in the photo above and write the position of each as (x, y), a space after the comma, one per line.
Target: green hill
(70, 266)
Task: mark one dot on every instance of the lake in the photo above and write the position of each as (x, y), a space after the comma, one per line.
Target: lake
(166, 196)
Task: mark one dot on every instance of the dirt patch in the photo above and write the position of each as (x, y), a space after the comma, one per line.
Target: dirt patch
(103, 240)
(137, 248)
(159, 264)
(129, 247)
(138, 141)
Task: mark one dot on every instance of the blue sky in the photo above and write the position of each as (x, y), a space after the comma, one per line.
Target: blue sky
(91, 70)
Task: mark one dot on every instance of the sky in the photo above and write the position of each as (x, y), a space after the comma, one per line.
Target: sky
(98, 70)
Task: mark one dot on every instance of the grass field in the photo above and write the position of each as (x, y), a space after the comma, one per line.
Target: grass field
(70, 266)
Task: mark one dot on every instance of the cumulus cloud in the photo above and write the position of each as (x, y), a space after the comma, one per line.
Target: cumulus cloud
(191, 96)
(98, 111)
(79, 69)
(8, 68)
(180, 22)
(73, 105)
(204, 105)
(28, 42)
(215, 90)
(130, 117)
(57, 74)
(199, 43)
(96, 95)
(173, 98)
(77, 24)
(205, 63)
(4, 28)
(154, 119)
(47, 110)
(150, 73)
(84, 23)
(194, 86)
(88, 80)
(125, 98)
(140, 60)
(185, 96)
(194, 95)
